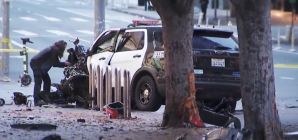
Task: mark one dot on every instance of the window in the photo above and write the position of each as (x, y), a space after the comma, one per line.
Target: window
(203, 40)
(105, 43)
(132, 41)
(158, 41)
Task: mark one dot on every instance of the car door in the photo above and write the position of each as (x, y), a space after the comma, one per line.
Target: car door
(103, 49)
(130, 52)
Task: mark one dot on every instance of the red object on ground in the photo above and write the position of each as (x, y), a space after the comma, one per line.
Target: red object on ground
(112, 113)
(196, 120)
(114, 109)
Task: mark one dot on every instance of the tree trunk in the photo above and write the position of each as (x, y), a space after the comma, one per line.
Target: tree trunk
(256, 67)
(177, 23)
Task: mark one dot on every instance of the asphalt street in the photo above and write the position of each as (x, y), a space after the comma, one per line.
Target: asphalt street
(47, 21)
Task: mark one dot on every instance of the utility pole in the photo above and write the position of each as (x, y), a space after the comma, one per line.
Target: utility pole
(99, 17)
(215, 9)
(5, 40)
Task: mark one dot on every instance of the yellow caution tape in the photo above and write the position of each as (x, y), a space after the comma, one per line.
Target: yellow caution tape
(18, 50)
(6, 40)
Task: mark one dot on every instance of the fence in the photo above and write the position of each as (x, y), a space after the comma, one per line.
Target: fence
(100, 83)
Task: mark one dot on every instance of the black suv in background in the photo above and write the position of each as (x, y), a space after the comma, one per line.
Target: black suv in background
(140, 48)
(216, 65)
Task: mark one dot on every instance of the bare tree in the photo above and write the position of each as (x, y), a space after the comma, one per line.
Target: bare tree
(177, 22)
(256, 67)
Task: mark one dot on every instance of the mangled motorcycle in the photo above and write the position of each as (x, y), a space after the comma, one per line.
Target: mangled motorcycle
(73, 88)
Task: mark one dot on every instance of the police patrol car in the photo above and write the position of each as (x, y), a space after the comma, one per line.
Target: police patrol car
(139, 47)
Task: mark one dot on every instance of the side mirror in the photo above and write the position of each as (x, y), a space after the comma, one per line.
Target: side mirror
(88, 52)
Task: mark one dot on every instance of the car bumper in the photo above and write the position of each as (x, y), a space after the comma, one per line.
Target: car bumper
(217, 90)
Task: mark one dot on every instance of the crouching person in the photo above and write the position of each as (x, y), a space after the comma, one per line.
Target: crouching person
(40, 64)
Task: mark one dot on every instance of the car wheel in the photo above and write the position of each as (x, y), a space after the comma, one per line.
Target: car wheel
(233, 123)
(146, 96)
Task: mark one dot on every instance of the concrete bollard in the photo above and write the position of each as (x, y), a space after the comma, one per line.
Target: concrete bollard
(218, 23)
(207, 20)
(99, 82)
(230, 25)
(108, 87)
(117, 84)
(127, 95)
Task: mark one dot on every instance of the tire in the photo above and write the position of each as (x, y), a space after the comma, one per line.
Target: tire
(151, 101)
(236, 121)
(26, 80)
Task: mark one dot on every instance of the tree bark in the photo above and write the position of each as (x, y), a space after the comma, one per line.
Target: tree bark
(256, 67)
(177, 23)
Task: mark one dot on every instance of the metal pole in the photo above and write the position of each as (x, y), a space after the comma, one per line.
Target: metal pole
(93, 86)
(215, 9)
(90, 80)
(127, 95)
(117, 84)
(293, 41)
(5, 39)
(278, 39)
(99, 74)
(99, 17)
(108, 85)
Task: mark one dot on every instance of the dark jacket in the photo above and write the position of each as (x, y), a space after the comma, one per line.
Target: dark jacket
(49, 57)
(204, 2)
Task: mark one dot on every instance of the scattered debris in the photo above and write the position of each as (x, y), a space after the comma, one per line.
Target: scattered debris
(2, 102)
(101, 138)
(182, 137)
(291, 106)
(81, 120)
(41, 127)
(52, 137)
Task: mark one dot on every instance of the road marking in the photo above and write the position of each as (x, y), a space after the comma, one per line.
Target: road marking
(61, 1)
(2, 19)
(20, 45)
(57, 32)
(80, 39)
(25, 33)
(14, 56)
(85, 32)
(291, 66)
(78, 13)
(48, 18)
(79, 19)
(28, 18)
(30, 1)
(287, 78)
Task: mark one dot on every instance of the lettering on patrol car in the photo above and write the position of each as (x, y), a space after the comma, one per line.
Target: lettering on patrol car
(158, 54)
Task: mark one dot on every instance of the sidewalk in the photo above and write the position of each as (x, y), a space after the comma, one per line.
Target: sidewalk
(96, 124)
(145, 126)
(278, 18)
